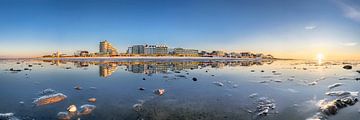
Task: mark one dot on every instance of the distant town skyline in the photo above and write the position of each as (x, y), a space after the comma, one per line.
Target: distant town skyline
(285, 29)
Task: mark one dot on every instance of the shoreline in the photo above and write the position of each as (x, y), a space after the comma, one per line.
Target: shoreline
(154, 58)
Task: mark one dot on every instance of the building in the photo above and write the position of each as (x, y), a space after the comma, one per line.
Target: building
(150, 49)
(218, 53)
(106, 48)
(185, 52)
(245, 55)
(129, 50)
(58, 54)
(84, 53)
(161, 49)
(137, 49)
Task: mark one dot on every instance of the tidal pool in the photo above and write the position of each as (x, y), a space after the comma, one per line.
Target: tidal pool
(178, 89)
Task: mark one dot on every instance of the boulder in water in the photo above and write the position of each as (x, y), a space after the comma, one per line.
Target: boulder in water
(72, 108)
(50, 99)
(63, 116)
(86, 109)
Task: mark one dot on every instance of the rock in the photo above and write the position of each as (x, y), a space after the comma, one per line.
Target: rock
(318, 116)
(86, 109)
(30, 65)
(183, 76)
(218, 83)
(137, 107)
(93, 100)
(348, 67)
(253, 95)
(252, 71)
(262, 71)
(63, 116)
(47, 91)
(159, 92)
(27, 69)
(71, 108)
(143, 79)
(276, 73)
(357, 78)
(263, 81)
(277, 80)
(332, 107)
(50, 99)
(141, 88)
(67, 67)
(312, 83)
(264, 106)
(235, 86)
(6, 116)
(77, 87)
(194, 79)
(358, 71)
(342, 93)
(15, 70)
(335, 85)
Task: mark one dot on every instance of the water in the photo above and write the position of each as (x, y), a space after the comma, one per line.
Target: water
(295, 88)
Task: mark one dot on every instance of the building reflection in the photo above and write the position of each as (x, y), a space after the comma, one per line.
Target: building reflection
(106, 68)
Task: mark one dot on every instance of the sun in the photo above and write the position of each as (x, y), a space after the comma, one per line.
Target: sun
(320, 57)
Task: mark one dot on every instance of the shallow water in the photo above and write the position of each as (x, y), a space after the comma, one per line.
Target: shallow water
(296, 87)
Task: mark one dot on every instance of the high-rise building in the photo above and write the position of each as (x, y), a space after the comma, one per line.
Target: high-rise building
(107, 49)
(150, 49)
(137, 49)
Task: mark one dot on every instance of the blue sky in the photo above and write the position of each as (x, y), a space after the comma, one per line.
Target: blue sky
(286, 28)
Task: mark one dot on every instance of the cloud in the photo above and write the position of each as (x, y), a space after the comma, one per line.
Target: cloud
(311, 27)
(350, 11)
(349, 44)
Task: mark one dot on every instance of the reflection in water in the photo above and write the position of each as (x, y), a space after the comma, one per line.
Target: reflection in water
(107, 69)
(149, 67)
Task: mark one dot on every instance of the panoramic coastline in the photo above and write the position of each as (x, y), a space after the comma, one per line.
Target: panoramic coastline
(179, 59)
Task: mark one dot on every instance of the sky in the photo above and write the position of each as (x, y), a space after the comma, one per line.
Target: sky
(283, 28)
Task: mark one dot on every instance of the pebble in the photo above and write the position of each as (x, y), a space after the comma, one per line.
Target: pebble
(347, 67)
(335, 85)
(63, 116)
(86, 109)
(77, 87)
(72, 108)
(141, 88)
(218, 83)
(137, 107)
(92, 100)
(194, 79)
(160, 92)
